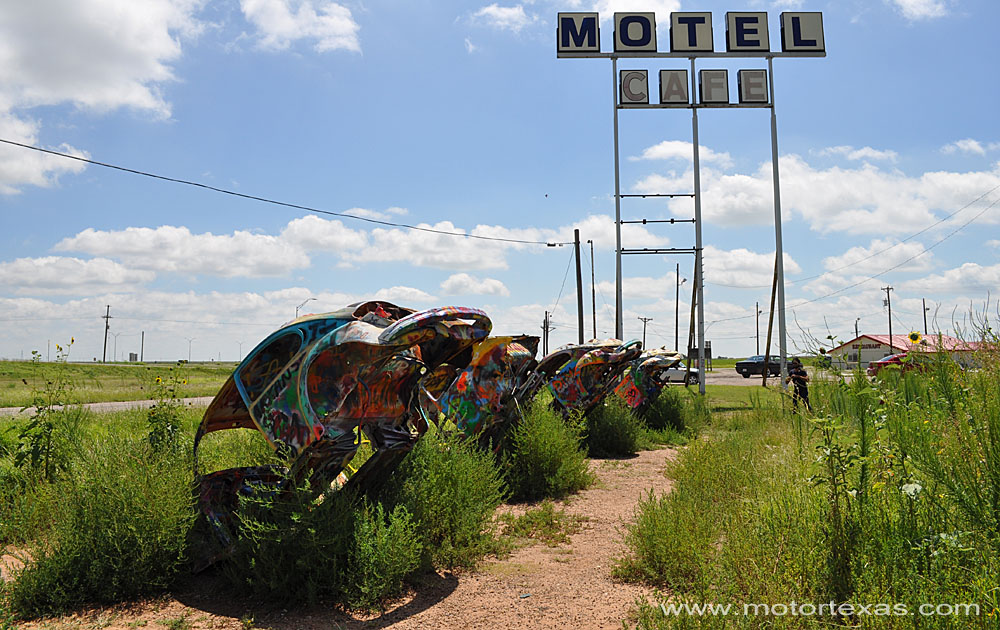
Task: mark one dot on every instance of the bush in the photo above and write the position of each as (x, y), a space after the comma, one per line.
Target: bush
(292, 548)
(120, 529)
(544, 458)
(386, 548)
(613, 430)
(451, 487)
(666, 411)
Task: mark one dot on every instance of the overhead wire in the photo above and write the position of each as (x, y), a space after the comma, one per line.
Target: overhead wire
(285, 204)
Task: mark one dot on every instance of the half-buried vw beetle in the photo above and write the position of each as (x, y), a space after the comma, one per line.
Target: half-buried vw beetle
(321, 382)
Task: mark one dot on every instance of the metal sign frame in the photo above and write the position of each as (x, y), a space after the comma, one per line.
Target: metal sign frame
(746, 37)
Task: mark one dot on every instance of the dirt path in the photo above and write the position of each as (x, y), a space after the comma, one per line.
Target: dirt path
(537, 587)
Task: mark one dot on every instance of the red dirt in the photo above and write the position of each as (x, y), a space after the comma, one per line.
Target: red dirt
(536, 587)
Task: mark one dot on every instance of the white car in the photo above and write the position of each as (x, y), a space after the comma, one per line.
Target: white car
(676, 374)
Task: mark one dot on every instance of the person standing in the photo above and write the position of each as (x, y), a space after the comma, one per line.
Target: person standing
(799, 379)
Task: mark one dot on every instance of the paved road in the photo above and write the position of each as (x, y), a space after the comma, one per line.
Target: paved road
(201, 401)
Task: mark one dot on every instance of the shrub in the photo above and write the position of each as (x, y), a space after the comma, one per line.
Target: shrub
(120, 530)
(386, 549)
(612, 429)
(666, 411)
(544, 458)
(451, 487)
(292, 548)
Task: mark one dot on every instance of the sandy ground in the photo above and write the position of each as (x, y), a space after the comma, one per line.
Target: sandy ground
(535, 587)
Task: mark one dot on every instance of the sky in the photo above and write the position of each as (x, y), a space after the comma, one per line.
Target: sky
(458, 117)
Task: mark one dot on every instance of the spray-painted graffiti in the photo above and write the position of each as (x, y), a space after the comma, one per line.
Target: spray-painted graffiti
(322, 384)
(587, 372)
(642, 381)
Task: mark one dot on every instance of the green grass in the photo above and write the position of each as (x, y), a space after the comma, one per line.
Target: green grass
(105, 382)
(887, 495)
(544, 457)
(543, 523)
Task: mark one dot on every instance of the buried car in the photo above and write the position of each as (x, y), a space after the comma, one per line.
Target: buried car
(318, 386)
(581, 375)
(644, 378)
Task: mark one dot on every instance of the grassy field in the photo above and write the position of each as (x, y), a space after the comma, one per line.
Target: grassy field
(883, 501)
(96, 382)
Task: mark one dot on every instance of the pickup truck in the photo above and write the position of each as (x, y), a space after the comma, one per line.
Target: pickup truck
(755, 365)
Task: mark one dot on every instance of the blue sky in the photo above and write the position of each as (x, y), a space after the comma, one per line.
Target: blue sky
(458, 116)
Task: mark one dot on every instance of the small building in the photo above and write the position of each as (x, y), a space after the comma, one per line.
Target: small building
(868, 348)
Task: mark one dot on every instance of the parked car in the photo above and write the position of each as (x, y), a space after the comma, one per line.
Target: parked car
(755, 365)
(677, 373)
(916, 362)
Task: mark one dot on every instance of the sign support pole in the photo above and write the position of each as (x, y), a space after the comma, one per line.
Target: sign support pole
(619, 332)
(699, 279)
(779, 262)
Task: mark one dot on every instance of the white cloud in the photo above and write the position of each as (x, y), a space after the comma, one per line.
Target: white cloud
(969, 277)
(281, 22)
(19, 166)
(968, 145)
(681, 150)
(864, 153)
(403, 295)
(920, 9)
(504, 18)
(56, 275)
(314, 233)
(169, 248)
(735, 268)
(862, 200)
(743, 268)
(879, 255)
(465, 284)
(97, 56)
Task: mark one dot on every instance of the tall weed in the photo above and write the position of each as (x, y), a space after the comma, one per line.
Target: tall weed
(451, 487)
(544, 458)
(612, 429)
(120, 530)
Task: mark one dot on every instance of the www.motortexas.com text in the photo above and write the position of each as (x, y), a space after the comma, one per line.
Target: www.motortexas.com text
(828, 609)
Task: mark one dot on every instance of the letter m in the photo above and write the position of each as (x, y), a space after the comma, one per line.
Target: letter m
(578, 33)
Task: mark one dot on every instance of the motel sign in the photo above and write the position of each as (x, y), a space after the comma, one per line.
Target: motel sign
(578, 35)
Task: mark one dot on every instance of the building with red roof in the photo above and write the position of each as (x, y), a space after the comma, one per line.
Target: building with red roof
(868, 348)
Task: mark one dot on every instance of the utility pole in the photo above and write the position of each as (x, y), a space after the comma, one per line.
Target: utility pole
(644, 320)
(142, 347)
(856, 333)
(579, 286)
(677, 308)
(756, 307)
(107, 326)
(546, 327)
(923, 301)
(593, 296)
(888, 303)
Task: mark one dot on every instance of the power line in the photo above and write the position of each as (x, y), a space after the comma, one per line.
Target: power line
(280, 203)
(568, 265)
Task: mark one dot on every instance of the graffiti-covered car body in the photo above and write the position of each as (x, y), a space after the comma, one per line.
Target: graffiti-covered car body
(583, 374)
(643, 379)
(484, 393)
(319, 383)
